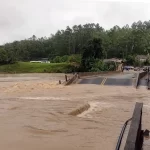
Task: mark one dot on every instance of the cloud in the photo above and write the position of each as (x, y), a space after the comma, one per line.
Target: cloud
(21, 19)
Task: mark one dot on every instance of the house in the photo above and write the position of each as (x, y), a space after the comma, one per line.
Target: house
(142, 58)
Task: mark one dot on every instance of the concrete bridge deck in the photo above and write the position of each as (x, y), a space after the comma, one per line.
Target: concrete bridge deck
(116, 80)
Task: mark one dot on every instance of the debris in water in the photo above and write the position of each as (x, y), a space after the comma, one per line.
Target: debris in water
(80, 110)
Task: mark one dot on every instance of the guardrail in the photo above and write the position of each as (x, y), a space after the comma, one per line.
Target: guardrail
(135, 138)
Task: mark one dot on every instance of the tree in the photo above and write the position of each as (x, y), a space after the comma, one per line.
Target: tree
(92, 50)
(3, 56)
(117, 42)
(130, 60)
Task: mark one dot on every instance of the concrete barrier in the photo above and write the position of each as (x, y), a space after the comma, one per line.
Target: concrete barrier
(139, 77)
(135, 138)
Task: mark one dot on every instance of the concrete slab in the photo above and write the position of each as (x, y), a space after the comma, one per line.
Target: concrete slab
(124, 76)
(119, 82)
(92, 81)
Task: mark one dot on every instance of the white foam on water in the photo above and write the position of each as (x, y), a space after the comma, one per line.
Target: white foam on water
(44, 98)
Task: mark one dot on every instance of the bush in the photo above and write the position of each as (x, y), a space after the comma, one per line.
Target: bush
(130, 60)
(75, 59)
(99, 65)
(57, 59)
(138, 63)
(66, 58)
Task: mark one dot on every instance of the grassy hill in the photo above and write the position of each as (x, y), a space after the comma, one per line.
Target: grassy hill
(27, 67)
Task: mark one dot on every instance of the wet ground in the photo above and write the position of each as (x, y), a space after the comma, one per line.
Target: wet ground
(34, 113)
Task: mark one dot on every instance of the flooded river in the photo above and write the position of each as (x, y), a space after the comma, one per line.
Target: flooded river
(34, 113)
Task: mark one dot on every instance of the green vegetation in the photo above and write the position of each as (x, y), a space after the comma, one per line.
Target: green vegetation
(132, 60)
(92, 51)
(68, 59)
(101, 66)
(117, 42)
(26, 67)
(83, 45)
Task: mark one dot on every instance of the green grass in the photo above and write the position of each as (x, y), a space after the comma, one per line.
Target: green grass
(27, 67)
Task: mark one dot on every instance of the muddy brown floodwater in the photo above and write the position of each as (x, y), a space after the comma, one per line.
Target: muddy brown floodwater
(34, 114)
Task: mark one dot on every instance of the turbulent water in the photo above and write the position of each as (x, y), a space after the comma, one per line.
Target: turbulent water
(34, 113)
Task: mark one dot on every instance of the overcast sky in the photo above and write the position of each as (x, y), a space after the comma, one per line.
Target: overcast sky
(21, 19)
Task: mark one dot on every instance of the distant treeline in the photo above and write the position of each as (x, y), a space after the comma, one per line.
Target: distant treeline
(117, 42)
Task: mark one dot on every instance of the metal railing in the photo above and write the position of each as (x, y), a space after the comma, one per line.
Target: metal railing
(121, 134)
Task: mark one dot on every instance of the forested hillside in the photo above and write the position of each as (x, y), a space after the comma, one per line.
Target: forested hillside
(117, 42)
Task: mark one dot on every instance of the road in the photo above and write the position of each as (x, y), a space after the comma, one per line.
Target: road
(127, 79)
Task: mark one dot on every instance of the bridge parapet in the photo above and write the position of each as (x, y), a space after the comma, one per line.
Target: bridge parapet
(135, 138)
